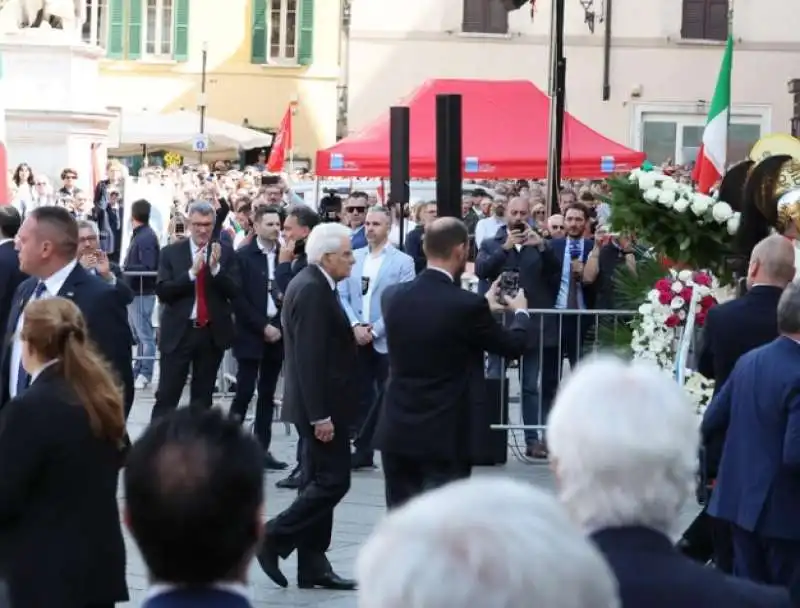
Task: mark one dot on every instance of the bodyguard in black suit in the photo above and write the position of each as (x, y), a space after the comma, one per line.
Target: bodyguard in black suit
(258, 345)
(197, 282)
(319, 395)
(436, 331)
(10, 274)
(48, 246)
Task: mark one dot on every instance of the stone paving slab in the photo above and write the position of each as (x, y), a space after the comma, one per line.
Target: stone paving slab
(355, 518)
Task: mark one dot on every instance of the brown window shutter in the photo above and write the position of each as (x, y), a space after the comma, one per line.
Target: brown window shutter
(716, 27)
(474, 20)
(497, 18)
(693, 19)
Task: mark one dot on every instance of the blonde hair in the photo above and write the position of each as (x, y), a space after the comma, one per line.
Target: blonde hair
(55, 329)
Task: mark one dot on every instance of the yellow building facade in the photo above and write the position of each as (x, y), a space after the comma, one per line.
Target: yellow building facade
(261, 55)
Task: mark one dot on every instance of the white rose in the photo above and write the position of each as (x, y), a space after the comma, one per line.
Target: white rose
(652, 296)
(669, 184)
(666, 198)
(721, 212)
(682, 314)
(733, 223)
(701, 203)
(651, 195)
(634, 175)
(685, 275)
(677, 287)
(647, 180)
(677, 303)
(646, 309)
(681, 205)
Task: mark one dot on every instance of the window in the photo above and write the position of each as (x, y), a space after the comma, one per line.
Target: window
(484, 17)
(95, 24)
(283, 32)
(704, 20)
(158, 28)
(145, 28)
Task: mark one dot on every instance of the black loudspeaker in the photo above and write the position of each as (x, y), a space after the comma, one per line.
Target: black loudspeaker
(399, 159)
(489, 447)
(449, 173)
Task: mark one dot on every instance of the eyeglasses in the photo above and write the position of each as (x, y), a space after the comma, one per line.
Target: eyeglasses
(355, 209)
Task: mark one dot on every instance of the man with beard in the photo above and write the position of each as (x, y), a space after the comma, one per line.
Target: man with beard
(436, 362)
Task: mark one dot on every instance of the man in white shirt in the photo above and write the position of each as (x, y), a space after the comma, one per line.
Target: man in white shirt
(487, 227)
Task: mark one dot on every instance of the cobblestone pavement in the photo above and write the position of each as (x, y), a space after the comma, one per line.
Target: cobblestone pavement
(355, 518)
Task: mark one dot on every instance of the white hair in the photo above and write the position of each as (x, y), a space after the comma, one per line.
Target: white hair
(623, 438)
(487, 542)
(325, 238)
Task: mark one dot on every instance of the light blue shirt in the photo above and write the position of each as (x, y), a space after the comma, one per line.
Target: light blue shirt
(563, 291)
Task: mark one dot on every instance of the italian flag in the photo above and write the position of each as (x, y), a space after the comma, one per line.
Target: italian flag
(712, 156)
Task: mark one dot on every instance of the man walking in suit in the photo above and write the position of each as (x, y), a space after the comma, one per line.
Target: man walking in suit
(377, 266)
(197, 281)
(48, 247)
(319, 393)
(10, 274)
(758, 486)
(258, 345)
(435, 331)
(197, 521)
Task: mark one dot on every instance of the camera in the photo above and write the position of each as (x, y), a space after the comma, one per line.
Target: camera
(509, 284)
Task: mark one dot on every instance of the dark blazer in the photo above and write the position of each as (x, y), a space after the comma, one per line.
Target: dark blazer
(124, 290)
(176, 290)
(197, 598)
(250, 304)
(652, 574)
(559, 247)
(286, 271)
(413, 247)
(10, 277)
(142, 256)
(106, 317)
(758, 486)
(319, 352)
(436, 331)
(60, 536)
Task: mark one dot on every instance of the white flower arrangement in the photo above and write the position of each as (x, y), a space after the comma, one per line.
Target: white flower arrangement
(661, 189)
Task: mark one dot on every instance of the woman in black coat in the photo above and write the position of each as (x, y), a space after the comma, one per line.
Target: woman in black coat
(61, 542)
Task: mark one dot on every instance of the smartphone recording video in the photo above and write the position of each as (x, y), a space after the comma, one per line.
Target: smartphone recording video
(509, 284)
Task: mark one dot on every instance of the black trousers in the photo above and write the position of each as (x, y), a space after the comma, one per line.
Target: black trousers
(373, 370)
(406, 477)
(307, 524)
(771, 561)
(196, 350)
(263, 372)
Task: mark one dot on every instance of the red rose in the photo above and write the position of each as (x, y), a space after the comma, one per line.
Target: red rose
(672, 321)
(665, 297)
(707, 302)
(701, 278)
(700, 318)
(686, 294)
(664, 285)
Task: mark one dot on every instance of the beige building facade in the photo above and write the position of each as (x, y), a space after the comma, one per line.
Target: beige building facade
(664, 59)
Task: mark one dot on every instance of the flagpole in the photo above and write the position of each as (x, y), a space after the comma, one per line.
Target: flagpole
(730, 112)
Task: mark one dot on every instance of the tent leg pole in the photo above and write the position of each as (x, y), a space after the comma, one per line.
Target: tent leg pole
(558, 72)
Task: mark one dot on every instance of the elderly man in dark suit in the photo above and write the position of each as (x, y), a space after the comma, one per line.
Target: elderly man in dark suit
(48, 248)
(10, 274)
(320, 393)
(731, 330)
(624, 478)
(198, 279)
(423, 431)
(758, 486)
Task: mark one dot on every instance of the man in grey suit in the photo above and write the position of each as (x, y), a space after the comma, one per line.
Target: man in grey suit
(320, 366)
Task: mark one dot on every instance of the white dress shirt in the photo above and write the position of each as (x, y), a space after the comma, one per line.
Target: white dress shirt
(272, 309)
(487, 228)
(194, 249)
(52, 285)
(370, 270)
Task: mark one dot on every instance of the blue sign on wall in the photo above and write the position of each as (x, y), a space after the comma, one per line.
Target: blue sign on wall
(471, 164)
(607, 164)
(337, 162)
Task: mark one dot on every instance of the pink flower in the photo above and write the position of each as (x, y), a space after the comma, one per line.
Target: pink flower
(701, 278)
(686, 294)
(663, 285)
(672, 321)
(707, 302)
(665, 297)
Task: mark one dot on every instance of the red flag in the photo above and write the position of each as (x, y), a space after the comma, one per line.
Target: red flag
(382, 193)
(282, 143)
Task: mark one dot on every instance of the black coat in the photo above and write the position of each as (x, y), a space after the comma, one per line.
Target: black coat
(10, 277)
(60, 536)
(320, 364)
(413, 247)
(286, 271)
(437, 334)
(176, 291)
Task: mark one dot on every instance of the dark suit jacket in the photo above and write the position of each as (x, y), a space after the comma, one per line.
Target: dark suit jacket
(197, 598)
(250, 304)
(176, 290)
(286, 271)
(319, 353)
(413, 247)
(60, 536)
(559, 247)
(106, 317)
(10, 277)
(436, 333)
(652, 574)
(758, 485)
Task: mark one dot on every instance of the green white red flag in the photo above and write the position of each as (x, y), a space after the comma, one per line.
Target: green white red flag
(712, 156)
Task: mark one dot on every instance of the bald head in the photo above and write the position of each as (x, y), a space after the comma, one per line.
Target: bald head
(772, 262)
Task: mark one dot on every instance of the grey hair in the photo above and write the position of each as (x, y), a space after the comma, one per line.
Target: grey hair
(90, 225)
(624, 438)
(488, 542)
(383, 210)
(324, 239)
(203, 208)
(789, 309)
(776, 256)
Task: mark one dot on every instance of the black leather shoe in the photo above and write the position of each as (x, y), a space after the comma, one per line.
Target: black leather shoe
(292, 482)
(361, 461)
(329, 580)
(268, 559)
(273, 464)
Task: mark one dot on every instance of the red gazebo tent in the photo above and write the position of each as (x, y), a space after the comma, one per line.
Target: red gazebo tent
(505, 135)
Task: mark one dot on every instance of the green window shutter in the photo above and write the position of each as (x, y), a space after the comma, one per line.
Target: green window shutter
(181, 38)
(305, 53)
(258, 39)
(116, 29)
(135, 28)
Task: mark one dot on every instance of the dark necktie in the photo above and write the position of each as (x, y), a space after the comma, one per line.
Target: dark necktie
(200, 295)
(574, 283)
(23, 377)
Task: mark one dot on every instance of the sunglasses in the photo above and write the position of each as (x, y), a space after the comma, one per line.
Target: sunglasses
(355, 209)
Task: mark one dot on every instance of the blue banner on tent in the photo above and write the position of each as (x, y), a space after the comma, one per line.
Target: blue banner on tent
(337, 161)
(471, 164)
(607, 164)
